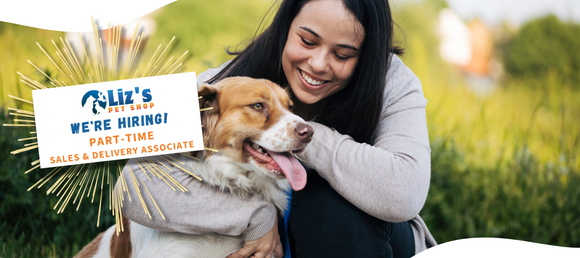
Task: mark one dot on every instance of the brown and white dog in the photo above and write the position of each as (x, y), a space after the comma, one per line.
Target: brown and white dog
(256, 134)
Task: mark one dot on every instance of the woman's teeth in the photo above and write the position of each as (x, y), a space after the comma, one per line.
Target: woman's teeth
(310, 80)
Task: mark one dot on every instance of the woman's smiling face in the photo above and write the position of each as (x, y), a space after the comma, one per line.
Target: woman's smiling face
(322, 50)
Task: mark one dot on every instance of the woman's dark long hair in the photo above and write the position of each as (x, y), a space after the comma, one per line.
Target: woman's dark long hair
(356, 109)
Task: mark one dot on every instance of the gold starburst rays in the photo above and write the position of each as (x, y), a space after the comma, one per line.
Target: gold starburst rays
(74, 183)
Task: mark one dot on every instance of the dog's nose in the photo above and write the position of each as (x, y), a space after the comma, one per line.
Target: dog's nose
(304, 132)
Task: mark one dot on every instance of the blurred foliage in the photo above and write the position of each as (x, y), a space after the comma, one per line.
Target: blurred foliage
(517, 198)
(503, 165)
(543, 46)
(204, 28)
(18, 44)
(28, 224)
(490, 127)
(207, 28)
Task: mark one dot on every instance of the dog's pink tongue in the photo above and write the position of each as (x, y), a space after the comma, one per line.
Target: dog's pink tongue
(292, 169)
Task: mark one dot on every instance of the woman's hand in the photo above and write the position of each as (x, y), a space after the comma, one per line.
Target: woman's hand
(262, 247)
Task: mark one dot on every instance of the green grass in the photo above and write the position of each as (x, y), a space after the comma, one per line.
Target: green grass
(29, 227)
(504, 164)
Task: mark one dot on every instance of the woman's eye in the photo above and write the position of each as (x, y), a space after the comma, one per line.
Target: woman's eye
(308, 43)
(258, 106)
(341, 57)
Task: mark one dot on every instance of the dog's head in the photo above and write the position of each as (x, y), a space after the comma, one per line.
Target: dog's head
(251, 123)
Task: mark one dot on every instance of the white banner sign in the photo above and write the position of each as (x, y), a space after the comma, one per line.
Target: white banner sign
(117, 120)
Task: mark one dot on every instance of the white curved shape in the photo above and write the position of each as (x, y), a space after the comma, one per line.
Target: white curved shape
(496, 248)
(75, 15)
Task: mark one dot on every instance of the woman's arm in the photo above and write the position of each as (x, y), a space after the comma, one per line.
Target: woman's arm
(390, 179)
(202, 209)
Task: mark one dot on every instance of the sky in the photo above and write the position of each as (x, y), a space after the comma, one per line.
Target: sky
(517, 12)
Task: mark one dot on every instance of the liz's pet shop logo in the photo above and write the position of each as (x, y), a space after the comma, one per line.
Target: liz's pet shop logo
(116, 101)
(96, 100)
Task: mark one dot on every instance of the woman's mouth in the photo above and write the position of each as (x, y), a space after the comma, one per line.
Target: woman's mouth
(309, 81)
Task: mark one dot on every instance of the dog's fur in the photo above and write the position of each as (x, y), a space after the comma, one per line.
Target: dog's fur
(249, 118)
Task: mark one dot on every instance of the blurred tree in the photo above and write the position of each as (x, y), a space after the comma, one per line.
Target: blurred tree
(544, 46)
(438, 4)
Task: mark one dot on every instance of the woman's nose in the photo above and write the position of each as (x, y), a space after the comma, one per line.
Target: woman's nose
(319, 61)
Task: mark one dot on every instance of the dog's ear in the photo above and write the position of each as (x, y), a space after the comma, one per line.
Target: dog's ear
(207, 94)
(209, 118)
(204, 89)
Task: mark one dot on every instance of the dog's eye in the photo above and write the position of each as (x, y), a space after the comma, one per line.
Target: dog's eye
(258, 106)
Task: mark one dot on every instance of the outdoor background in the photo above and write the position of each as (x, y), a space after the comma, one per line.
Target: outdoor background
(503, 120)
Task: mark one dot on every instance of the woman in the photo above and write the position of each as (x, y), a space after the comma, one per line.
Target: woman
(369, 159)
